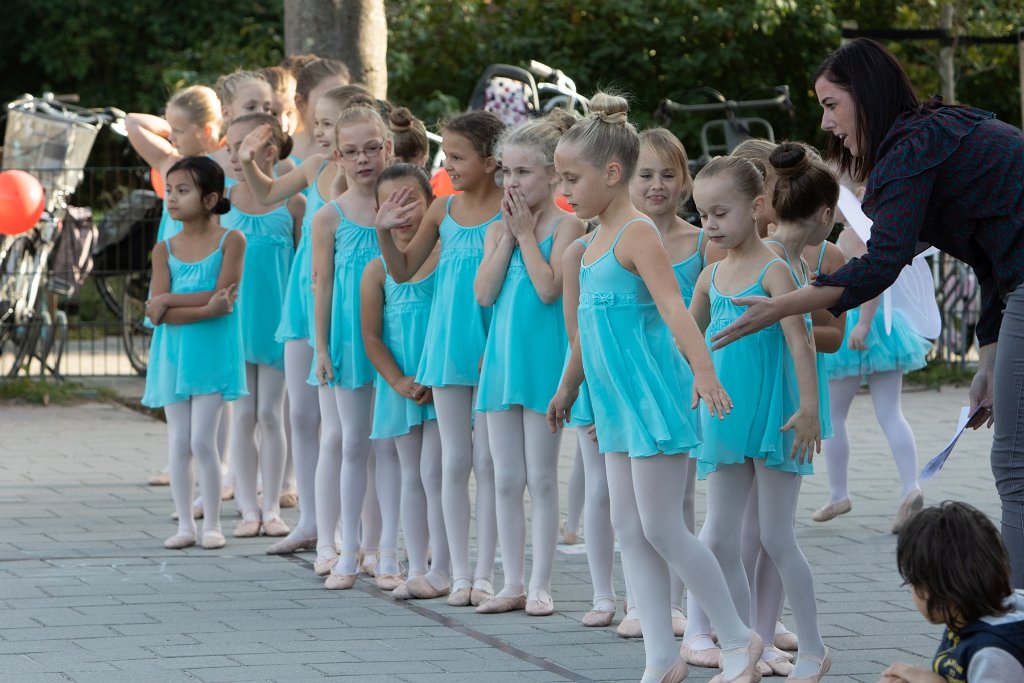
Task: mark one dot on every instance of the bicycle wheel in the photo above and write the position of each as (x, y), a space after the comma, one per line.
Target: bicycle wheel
(111, 289)
(25, 339)
(134, 332)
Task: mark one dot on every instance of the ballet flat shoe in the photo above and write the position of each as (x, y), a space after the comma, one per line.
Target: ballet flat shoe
(678, 672)
(786, 641)
(421, 589)
(543, 606)
(826, 664)
(388, 582)
(401, 592)
(159, 479)
(179, 541)
(778, 663)
(750, 673)
(368, 563)
(247, 529)
(227, 492)
(910, 506)
(286, 546)
(629, 628)
(339, 582)
(288, 499)
(568, 537)
(678, 626)
(213, 540)
(597, 618)
(275, 527)
(502, 605)
(478, 596)
(323, 565)
(832, 510)
(460, 598)
(710, 658)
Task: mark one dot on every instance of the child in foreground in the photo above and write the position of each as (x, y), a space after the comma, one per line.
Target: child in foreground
(958, 570)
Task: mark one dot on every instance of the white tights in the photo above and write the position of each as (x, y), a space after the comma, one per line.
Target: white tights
(464, 449)
(886, 388)
(525, 456)
(341, 472)
(597, 517)
(191, 432)
(645, 497)
(422, 517)
(388, 486)
(370, 522)
(576, 495)
(304, 418)
(776, 509)
(262, 409)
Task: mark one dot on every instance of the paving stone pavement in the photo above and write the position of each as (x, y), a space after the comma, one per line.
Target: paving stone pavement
(87, 592)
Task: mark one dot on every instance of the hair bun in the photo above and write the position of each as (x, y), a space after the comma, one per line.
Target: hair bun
(400, 119)
(222, 206)
(609, 108)
(789, 159)
(561, 119)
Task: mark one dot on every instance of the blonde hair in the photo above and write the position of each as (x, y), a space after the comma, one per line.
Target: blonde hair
(606, 135)
(349, 95)
(228, 85)
(278, 138)
(755, 148)
(748, 175)
(540, 135)
(667, 147)
(361, 114)
(200, 105)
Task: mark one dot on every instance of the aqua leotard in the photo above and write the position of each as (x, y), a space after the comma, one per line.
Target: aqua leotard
(354, 246)
(268, 257)
(638, 379)
(203, 357)
(758, 373)
(523, 357)
(688, 270)
(582, 414)
(404, 332)
(457, 331)
(297, 316)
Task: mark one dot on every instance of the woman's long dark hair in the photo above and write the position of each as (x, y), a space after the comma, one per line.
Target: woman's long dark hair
(881, 92)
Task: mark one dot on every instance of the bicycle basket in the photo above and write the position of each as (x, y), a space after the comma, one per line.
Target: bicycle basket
(51, 146)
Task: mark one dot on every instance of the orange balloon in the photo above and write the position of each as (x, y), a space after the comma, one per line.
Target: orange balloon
(562, 203)
(157, 181)
(21, 202)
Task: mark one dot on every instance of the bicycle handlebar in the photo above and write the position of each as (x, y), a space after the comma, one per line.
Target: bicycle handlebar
(541, 70)
(780, 101)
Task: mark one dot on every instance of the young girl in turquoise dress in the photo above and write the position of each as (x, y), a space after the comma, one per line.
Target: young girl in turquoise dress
(270, 233)
(191, 126)
(196, 358)
(644, 360)
(312, 81)
(661, 183)
(344, 242)
(395, 317)
(770, 438)
(410, 137)
(282, 100)
(457, 332)
(240, 92)
(315, 177)
(521, 278)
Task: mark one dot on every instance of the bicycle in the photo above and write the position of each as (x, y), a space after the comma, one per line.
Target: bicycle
(730, 131)
(50, 138)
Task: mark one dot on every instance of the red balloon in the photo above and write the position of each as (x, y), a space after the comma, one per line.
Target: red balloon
(158, 182)
(21, 202)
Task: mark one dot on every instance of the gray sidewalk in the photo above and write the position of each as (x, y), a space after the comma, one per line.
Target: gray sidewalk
(87, 592)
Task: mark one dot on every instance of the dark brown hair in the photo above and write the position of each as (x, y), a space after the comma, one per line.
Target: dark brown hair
(481, 128)
(278, 138)
(803, 184)
(409, 135)
(281, 80)
(208, 177)
(314, 72)
(955, 554)
(294, 63)
(402, 170)
(881, 92)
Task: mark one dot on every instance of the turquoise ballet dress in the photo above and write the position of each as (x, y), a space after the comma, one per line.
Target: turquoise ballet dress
(297, 314)
(458, 324)
(639, 382)
(582, 414)
(688, 270)
(901, 349)
(758, 373)
(404, 332)
(523, 357)
(197, 358)
(354, 246)
(268, 257)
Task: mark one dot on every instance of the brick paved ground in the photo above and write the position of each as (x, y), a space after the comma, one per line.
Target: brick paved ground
(87, 592)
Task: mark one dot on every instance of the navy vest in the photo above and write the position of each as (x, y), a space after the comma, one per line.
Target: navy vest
(958, 647)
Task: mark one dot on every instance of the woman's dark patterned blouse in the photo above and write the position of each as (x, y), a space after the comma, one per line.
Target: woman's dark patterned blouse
(952, 177)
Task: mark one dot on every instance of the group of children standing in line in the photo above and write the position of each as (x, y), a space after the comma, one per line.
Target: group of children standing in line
(304, 261)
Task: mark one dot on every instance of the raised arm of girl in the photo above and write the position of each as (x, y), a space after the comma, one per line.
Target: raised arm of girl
(393, 212)
(268, 190)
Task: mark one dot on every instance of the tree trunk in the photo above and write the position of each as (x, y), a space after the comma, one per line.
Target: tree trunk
(354, 31)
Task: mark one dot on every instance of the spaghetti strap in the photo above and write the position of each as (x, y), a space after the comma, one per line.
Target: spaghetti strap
(337, 207)
(700, 241)
(220, 245)
(767, 266)
(821, 256)
(448, 205)
(789, 264)
(622, 230)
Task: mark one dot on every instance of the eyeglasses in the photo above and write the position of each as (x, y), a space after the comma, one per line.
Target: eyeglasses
(371, 150)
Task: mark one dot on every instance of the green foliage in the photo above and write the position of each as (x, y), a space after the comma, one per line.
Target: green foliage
(40, 392)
